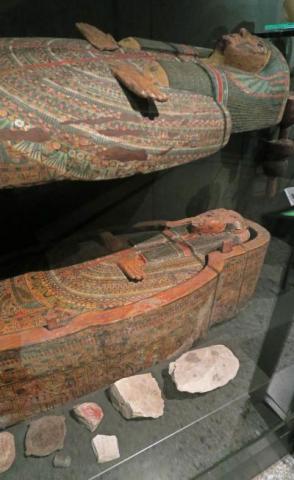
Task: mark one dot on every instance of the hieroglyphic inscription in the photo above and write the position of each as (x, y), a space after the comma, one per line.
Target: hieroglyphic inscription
(49, 374)
(228, 289)
(255, 259)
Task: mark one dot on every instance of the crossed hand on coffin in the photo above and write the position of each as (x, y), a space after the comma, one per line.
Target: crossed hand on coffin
(130, 262)
(132, 266)
(142, 83)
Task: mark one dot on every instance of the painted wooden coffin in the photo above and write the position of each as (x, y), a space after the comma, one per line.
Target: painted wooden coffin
(63, 115)
(70, 330)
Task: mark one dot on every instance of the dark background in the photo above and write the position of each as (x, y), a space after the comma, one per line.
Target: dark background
(33, 218)
(198, 22)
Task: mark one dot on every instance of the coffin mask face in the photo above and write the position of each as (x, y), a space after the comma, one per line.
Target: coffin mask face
(244, 51)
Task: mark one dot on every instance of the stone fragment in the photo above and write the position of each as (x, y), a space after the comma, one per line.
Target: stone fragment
(61, 460)
(7, 451)
(105, 448)
(45, 436)
(137, 396)
(90, 414)
(204, 369)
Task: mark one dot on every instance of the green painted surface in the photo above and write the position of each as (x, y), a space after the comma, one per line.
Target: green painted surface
(279, 26)
(288, 213)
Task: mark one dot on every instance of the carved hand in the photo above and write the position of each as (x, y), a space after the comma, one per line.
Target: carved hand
(140, 83)
(97, 38)
(133, 267)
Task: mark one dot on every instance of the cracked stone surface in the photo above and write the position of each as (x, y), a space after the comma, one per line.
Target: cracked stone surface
(45, 436)
(204, 369)
(137, 396)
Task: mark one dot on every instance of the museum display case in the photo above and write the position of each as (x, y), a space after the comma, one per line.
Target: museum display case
(146, 263)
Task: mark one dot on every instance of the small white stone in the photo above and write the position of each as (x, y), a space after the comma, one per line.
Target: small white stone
(61, 460)
(105, 448)
(137, 396)
(204, 369)
(7, 451)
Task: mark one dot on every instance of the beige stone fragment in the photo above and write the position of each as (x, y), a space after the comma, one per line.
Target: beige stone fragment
(204, 369)
(7, 451)
(105, 448)
(137, 396)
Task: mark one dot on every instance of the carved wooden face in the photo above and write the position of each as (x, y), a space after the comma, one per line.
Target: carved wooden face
(217, 221)
(245, 51)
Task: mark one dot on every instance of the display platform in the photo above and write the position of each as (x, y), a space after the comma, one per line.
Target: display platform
(198, 433)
